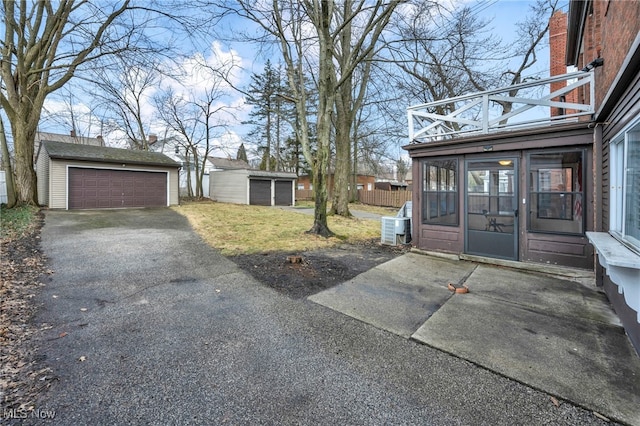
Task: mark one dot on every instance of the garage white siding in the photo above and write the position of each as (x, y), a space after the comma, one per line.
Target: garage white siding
(229, 186)
(42, 170)
(243, 186)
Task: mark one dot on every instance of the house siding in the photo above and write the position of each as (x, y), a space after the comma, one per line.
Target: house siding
(623, 113)
(58, 179)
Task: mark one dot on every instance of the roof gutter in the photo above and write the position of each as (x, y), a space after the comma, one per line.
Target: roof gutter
(102, 160)
(577, 18)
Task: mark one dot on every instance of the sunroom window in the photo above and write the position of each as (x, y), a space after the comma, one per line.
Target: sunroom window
(625, 187)
(556, 192)
(440, 191)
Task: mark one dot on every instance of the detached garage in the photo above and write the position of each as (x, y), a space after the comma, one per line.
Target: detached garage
(254, 187)
(75, 176)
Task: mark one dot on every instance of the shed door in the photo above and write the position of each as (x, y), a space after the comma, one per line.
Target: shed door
(284, 193)
(259, 192)
(102, 188)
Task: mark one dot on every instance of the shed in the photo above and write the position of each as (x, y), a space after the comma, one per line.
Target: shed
(253, 187)
(74, 176)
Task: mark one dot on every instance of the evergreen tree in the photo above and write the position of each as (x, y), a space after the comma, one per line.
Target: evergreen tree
(242, 153)
(263, 96)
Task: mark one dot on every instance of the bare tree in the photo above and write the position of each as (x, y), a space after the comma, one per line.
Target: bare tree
(301, 32)
(44, 45)
(402, 168)
(447, 53)
(124, 84)
(358, 26)
(180, 117)
(307, 33)
(38, 58)
(195, 118)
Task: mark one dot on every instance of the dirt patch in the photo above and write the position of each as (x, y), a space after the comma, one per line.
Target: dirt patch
(22, 376)
(318, 269)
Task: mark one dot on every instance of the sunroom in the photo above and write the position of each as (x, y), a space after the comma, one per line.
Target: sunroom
(507, 176)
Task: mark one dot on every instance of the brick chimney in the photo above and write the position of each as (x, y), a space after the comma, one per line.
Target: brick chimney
(557, 52)
(152, 139)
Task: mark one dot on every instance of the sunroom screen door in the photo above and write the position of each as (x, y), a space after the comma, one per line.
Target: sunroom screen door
(491, 211)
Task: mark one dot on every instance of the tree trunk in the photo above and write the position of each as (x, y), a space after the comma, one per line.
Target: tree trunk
(340, 199)
(326, 91)
(8, 169)
(344, 99)
(25, 183)
(320, 226)
(353, 193)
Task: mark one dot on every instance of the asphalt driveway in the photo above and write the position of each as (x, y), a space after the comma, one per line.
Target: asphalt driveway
(148, 325)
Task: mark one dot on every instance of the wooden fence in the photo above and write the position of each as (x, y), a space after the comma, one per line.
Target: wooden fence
(380, 197)
(304, 194)
(377, 197)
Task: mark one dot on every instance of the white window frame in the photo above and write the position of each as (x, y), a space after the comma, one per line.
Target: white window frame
(618, 157)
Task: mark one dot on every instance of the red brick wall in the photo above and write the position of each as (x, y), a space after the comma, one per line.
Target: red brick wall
(609, 32)
(558, 43)
(557, 49)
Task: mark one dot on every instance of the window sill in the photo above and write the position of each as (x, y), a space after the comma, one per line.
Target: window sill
(622, 266)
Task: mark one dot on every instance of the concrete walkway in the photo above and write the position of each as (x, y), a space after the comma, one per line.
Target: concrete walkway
(557, 336)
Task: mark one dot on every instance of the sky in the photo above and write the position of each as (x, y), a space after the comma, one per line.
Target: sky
(502, 12)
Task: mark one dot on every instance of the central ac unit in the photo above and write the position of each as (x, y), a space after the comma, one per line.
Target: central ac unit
(395, 230)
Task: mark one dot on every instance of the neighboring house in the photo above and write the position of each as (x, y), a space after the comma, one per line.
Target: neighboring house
(188, 174)
(72, 137)
(391, 186)
(364, 182)
(75, 176)
(171, 149)
(253, 187)
(408, 178)
(221, 163)
(555, 179)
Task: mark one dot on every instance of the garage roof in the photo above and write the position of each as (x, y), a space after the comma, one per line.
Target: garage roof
(271, 174)
(72, 151)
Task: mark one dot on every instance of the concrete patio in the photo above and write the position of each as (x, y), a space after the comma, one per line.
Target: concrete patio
(552, 334)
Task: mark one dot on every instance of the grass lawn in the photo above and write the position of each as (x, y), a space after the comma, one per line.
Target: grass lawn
(17, 221)
(383, 211)
(241, 229)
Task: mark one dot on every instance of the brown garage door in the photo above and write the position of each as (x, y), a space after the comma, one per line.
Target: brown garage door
(101, 188)
(284, 194)
(259, 192)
